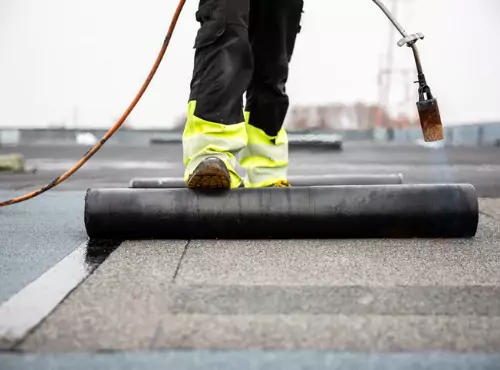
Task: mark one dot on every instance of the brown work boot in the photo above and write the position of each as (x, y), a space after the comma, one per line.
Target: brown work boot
(212, 173)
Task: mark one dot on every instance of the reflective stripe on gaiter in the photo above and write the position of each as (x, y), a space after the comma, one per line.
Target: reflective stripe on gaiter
(265, 159)
(202, 139)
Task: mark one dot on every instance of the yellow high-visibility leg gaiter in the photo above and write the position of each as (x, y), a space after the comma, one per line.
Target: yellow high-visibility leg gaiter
(265, 158)
(202, 139)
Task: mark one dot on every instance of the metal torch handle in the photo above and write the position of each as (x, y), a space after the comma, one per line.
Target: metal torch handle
(391, 18)
(405, 36)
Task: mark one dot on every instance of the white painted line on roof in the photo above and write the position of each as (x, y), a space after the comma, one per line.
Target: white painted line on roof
(26, 309)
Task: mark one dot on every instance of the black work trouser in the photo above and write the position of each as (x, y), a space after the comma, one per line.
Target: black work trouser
(244, 46)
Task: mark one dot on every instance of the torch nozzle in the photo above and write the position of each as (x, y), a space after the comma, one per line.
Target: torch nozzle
(428, 111)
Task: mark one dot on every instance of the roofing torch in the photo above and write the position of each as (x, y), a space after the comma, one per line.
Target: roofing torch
(427, 106)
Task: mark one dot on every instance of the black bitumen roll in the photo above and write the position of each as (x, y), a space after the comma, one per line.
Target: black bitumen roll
(296, 181)
(373, 211)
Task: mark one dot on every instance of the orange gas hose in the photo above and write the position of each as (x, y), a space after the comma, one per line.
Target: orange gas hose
(115, 127)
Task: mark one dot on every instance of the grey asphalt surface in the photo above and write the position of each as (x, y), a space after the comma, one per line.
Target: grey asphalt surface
(379, 303)
(115, 166)
(252, 360)
(381, 295)
(36, 235)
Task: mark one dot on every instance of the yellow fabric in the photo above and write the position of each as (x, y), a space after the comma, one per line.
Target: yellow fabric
(202, 139)
(268, 181)
(265, 158)
(256, 161)
(282, 184)
(259, 137)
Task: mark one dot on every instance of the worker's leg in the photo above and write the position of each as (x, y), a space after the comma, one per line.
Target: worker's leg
(274, 26)
(223, 67)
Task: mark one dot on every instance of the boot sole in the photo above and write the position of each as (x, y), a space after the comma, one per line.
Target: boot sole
(210, 176)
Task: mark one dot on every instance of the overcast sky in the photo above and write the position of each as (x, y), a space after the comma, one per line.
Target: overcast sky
(82, 62)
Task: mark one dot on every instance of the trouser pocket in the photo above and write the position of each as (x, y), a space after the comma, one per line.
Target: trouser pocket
(223, 63)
